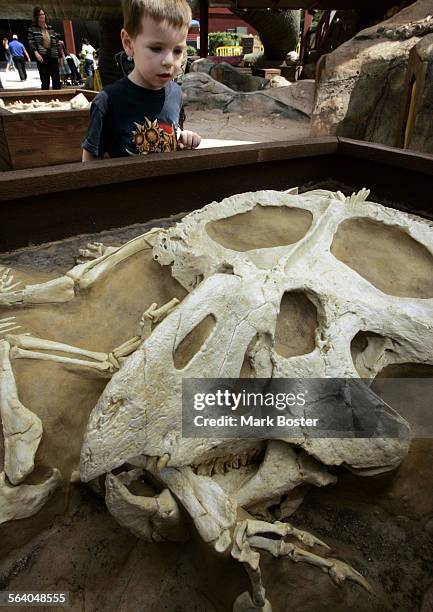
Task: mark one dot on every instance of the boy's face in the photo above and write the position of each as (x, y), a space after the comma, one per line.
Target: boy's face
(157, 52)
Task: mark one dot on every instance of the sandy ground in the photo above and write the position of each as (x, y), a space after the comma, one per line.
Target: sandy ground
(233, 126)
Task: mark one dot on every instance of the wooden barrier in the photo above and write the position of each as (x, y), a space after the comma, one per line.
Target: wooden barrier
(32, 139)
(52, 203)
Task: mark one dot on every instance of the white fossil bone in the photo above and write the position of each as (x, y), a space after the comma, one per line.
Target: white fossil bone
(22, 429)
(25, 500)
(7, 324)
(238, 280)
(94, 250)
(7, 280)
(25, 346)
(82, 276)
(152, 518)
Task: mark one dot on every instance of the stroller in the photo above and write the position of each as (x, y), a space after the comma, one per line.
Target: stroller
(73, 63)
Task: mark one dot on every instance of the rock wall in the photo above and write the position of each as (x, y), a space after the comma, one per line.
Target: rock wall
(361, 84)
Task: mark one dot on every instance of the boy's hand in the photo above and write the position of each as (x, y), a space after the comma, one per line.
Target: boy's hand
(188, 140)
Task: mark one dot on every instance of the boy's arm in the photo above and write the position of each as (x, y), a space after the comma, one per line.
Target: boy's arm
(93, 144)
(87, 156)
(186, 139)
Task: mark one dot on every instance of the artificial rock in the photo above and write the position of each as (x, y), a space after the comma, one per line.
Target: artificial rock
(360, 84)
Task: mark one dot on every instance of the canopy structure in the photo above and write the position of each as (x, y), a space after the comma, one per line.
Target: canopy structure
(85, 10)
(302, 4)
(108, 13)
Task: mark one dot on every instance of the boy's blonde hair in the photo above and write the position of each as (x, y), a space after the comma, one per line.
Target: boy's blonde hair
(176, 13)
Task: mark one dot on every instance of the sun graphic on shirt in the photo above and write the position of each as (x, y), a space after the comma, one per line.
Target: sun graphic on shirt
(153, 137)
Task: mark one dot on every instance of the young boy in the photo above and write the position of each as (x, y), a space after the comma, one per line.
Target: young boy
(140, 113)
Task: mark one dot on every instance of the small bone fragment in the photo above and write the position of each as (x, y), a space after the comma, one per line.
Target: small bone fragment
(7, 280)
(7, 324)
(25, 500)
(157, 314)
(94, 250)
(244, 603)
(22, 429)
(79, 102)
(358, 197)
(223, 542)
(162, 462)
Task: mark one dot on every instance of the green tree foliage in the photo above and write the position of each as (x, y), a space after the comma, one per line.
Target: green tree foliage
(221, 39)
(278, 29)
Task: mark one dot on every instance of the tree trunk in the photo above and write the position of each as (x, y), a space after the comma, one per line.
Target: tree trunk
(278, 29)
(110, 44)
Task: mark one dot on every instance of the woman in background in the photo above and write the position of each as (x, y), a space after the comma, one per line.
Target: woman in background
(43, 41)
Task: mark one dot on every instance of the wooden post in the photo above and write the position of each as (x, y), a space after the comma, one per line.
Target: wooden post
(110, 45)
(204, 27)
(305, 41)
(69, 36)
(414, 84)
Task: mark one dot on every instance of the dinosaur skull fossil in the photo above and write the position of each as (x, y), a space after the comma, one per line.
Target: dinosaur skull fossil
(279, 285)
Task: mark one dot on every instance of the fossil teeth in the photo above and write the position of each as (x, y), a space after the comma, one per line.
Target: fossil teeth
(219, 466)
(243, 458)
(235, 462)
(209, 466)
(203, 469)
(162, 462)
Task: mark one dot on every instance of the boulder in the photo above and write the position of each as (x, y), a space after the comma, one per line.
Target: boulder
(233, 78)
(278, 81)
(299, 95)
(261, 103)
(202, 91)
(360, 84)
(201, 65)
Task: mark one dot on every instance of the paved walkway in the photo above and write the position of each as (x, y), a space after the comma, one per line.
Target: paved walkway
(11, 80)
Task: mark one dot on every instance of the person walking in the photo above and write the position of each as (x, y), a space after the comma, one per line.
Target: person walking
(65, 71)
(19, 56)
(43, 41)
(8, 57)
(88, 55)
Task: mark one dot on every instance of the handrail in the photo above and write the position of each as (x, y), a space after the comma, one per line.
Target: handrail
(229, 50)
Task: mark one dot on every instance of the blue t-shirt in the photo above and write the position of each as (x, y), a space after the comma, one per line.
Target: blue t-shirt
(126, 119)
(16, 48)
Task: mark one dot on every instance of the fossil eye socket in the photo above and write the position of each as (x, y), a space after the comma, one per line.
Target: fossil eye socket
(193, 341)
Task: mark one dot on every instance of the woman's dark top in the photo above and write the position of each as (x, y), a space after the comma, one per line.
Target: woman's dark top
(35, 39)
